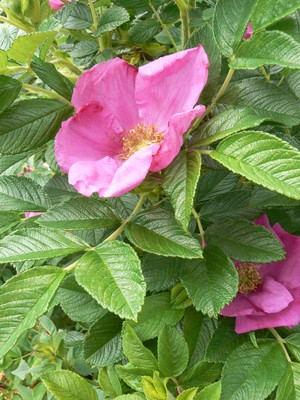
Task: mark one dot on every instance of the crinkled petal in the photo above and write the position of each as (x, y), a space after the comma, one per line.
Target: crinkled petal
(89, 177)
(56, 4)
(173, 139)
(239, 306)
(290, 316)
(90, 135)
(271, 296)
(170, 85)
(112, 84)
(131, 172)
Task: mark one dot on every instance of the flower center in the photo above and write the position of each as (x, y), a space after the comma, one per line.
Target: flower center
(137, 138)
(249, 278)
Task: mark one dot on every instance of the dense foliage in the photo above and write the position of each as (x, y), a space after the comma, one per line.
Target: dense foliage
(132, 297)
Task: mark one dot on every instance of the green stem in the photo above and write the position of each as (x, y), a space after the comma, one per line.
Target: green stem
(267, 76)
(281, 80)
(72, 266)
(184, 15)
(25, 28)
(121, 228)
(48, 92)
(201, 230)
(207, 152)
(281, 343)
(163, 26)
(71, 67)
(95, 25)
(17, 69)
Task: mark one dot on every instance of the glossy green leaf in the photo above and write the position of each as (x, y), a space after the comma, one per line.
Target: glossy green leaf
(38, 244)
(211, 283)
(22, 194)
(154, 389)
(24, 298)
(210, 392)
(112, 19)
(253, 373)
(59, 190)
(30, 124)
(269, 47)
(242, 240)
(230, 20)
(188, 394)
(132, 375)
(81, 213)
(66, 385)
(158, 232)
(180, 181)
(200, 375)
(289, 386)
(9, 90)
(173, 352)
(264, 159)
(102, 344)
(112, 275)
(266, 12)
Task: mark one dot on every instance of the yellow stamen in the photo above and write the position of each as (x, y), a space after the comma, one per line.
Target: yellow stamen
(249, 278)
(137, 138)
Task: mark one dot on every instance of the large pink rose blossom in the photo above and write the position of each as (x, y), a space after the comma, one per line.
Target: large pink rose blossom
(57, 4)
(269, 294)
(129, 122)
(249, 31)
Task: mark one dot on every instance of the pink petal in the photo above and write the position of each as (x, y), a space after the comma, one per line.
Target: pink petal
(170, 146)
(239, 306)
(32, 214)
(170, 85)
(131, 173)
(249, 31)
(56, 4)
(290, 316)
(112, 84)
(90, 135)
(271, 296)
(92, 176)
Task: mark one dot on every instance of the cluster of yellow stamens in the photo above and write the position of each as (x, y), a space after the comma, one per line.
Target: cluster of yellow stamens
(249, 278)
(137, 138)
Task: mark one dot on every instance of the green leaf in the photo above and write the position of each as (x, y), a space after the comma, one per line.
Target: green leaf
(8, 220)
(54, 79)
(137, 354)
(66, 385)
(224, 341)
(112, 19)
(9, 90)
(112, 275)
(75, 16)
(270, 101)
(77, 303)
(30, 124)
(264, 159)
(22, 194)
(180, 181)
(229, 23)
(23, 47)
(102, 345)
(84, 48)
(293, 80)
(262, 198)
(59, 190)
(289, 386)
(266, 12)
(269, 47)
(252, 373)
(81, 213)
(24, 298)
(38, 244)
(109, 381)
(154, 389)
(3, 60)
(200, 375)
(132, 375)
(243, 241)
(156, 313)
(158, 232)
(293, 344)
(211, 283)
(210, 392)
(187, 394)
(131, 396)
(143, 31)
(204, 36)
(173, 352)
(225, 124)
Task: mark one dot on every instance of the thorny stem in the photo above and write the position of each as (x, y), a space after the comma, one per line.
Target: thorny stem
(95, 24)
(163, 26)
(121, 228)
(201, 230)
(281, 343)
(49, 92)
(184, 15)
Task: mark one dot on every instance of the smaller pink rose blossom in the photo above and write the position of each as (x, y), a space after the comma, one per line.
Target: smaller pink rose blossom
(57, 4)
(32, 214)
(269, 294)
(249, 31)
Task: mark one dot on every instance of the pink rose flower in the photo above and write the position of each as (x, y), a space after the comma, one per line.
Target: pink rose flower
(269, 294)
(249, 31)
(57, 4)
(32, 214)
(129, 122)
